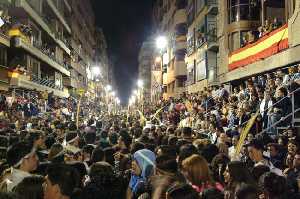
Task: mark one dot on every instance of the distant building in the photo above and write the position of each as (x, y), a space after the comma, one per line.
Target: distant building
(145, 63)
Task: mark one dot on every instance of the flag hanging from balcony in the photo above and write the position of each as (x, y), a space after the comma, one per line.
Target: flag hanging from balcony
(266, 46)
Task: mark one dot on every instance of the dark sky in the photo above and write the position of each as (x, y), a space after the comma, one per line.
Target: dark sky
(126, 24)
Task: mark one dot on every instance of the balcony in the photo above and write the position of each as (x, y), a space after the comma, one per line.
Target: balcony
(59, 15)
(212, 7)
(79, 68)
(44, 55)
(35, 83)
(42, 21)
(212, 42)
(268, 45)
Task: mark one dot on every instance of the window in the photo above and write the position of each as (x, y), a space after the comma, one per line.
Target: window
(191, 73)
(243, 10)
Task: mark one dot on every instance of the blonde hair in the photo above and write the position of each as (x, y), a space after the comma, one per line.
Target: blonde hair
(197, 170)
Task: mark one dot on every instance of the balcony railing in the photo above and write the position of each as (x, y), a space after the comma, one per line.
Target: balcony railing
(45, 82)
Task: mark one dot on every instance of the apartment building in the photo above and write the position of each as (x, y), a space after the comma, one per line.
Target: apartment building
(83, 41)
(170, 20)
(202, 45)
(39, 57)
(145, 64)
(4, 45)
(277, 48)
(101, 58)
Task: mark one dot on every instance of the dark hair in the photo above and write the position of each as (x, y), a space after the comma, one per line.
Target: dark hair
(167, 150)
(136, 146)
(34, 136)
(186, 151)
(209, 152)
(4, 195)
(187, 131)
(18, 151)
(239, 172)
(30, 188)
(125, 137)
(109, 155)
(88, 149)
(275, 186)
(90, 138)
(66, 177)
(172, 141)
(219, 160)
(212, 193)
(97, 155)
(259, 170)
(182, 191)
(166, 163)
(103, 183)
(246, 191)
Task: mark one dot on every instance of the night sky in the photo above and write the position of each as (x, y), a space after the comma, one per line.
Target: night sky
(126, 24)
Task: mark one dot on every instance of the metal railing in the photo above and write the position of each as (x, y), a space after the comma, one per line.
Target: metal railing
(45, 82)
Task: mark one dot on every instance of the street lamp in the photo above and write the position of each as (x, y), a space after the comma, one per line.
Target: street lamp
(113, 93)
(140, 83)
(161, 42)
(96, 71)
(108, 88)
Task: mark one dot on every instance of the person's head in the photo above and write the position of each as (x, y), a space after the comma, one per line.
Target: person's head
(235, 140)
(181, 191)
(259, 170)
(272, 185)
(136, 146)
(212, 193)
(30, 188)
(166, 165)
(247, 191)
(273, 148)
(56, 153)
(22, 155)
(186, 132)
(282, 92)
(100, 170)
(296, 162)
(72, 138)
(87, 152)
(237, 172)
(143, 163)
(109, 155)
(61, 182)
(186, 151)
(37, 139)
(124, 140)
(97, 155)
(90, 137)
(292, 147)
(165, 150)
(255, 150)
(195, 169)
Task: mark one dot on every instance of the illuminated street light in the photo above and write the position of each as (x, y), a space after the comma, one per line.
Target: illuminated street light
(161, 42)
(140, 83)
(96, 71)
(108, 88)
(113, 93)
(135, 92)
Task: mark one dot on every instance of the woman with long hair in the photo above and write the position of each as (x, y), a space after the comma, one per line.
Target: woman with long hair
(196, 171)
(235, 174)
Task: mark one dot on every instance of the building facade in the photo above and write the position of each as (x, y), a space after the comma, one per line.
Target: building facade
(145, 63)
(170, 20)
(226, 41)
(202, 45)
(49, 45)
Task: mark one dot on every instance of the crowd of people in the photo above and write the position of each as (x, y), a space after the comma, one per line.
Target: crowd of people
(181, 148)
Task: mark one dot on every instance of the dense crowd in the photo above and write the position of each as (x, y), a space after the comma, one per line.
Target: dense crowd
(181, 148)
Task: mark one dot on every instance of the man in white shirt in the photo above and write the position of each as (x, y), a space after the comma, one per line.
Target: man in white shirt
(231, 150)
